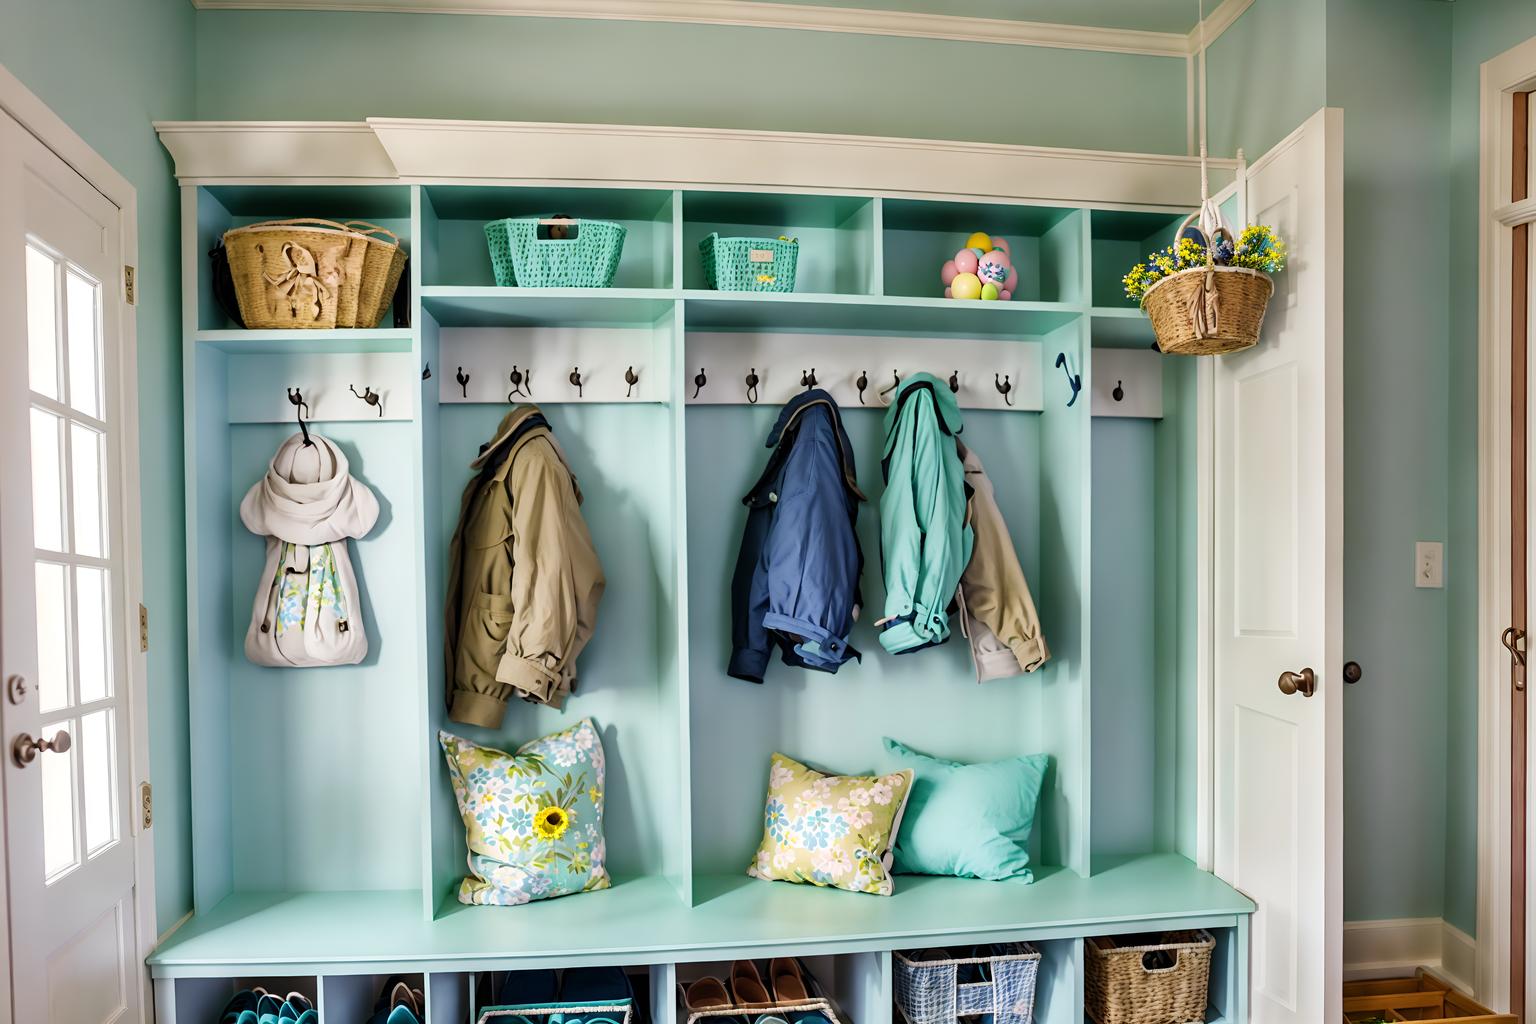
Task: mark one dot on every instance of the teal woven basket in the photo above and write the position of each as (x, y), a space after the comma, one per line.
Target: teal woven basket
(588, 258)
(750, 264)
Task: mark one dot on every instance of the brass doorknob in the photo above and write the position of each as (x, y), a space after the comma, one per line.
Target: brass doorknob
(1303, 682)
(25, 750)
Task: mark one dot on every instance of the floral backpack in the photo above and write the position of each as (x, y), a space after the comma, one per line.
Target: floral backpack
(307, 610)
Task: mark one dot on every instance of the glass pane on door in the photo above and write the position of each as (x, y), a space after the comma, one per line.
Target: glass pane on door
(42, 324)
(80, 312)
(87, 460)
(47, 480)
(94, 628)
(98, 784)
(52, 636)
(60, 840)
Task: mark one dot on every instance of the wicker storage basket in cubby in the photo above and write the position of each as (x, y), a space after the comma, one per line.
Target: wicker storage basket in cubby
(555, 252)
(791, 1011)
(1148, 979)
(310, 273)
(940, 987)
(749, 264)
(1424, 997)
(594, 1013)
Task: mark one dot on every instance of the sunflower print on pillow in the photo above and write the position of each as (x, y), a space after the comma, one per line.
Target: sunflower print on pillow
(533, 820)
(830, 830)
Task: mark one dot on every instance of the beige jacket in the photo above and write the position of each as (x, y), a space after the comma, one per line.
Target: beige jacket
(997, 613)
(523, 578)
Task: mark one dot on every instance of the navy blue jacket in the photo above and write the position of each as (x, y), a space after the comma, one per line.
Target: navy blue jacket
(796, 584)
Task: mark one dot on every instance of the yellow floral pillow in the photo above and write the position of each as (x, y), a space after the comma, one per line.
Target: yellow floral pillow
(830, 830)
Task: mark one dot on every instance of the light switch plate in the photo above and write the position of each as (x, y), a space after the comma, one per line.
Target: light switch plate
(1428, 569)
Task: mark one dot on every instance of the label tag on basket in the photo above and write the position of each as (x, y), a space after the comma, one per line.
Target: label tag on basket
(760, 256)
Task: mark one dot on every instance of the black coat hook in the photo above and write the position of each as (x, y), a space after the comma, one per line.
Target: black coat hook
(862, 383)
(300, 410)
(954, 383)
(1119, 393)
(1004, 387)
(752, 380)
(808, 380)
(521, 381)
(463, 379)
(895, 383)
(699, 380)
(575, 379)
(370, 396)
(631, 378)
(426, 372)
(1074, 380)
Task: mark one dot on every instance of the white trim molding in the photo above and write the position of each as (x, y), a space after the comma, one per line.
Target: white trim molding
(794, 16)
(477, 152)
(1501, 77)
(1394, 948)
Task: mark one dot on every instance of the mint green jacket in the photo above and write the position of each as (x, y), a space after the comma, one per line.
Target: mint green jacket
(925, 530)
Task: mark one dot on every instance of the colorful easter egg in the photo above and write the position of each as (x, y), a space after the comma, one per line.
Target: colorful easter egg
(994, 267)
(1012, 284)
(1005, 294)
(989, 291)
(966, 286)
(947, 274)
(1002, 243)
(949, 293)
(965, 262)
(979, 240)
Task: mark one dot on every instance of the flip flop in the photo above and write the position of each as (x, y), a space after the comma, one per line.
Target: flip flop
(401, 1014)
(787, 980)
(706, 994)
(244, 1000)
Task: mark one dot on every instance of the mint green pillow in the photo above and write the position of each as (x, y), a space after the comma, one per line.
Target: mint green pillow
(968, 820)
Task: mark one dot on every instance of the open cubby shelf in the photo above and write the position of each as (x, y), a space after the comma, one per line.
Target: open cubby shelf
(326, 839)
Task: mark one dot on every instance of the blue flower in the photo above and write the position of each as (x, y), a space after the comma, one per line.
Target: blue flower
(776, 820)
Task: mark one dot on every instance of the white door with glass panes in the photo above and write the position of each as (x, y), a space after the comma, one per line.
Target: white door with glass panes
(1278, 594)
(70, 656)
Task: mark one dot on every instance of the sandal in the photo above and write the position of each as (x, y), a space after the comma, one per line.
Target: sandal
(706, 994)
(747, 987)
(787, 980)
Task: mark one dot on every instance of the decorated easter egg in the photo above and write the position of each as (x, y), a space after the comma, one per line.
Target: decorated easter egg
(979, 240)
(966, 286)
(965, 262)
(947, 274)
(989, 291)
(1002, 243)
(979, 251)
(994, 267)
(1005, 294)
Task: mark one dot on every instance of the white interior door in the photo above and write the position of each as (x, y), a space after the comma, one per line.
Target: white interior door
(1279, 592)
(65, 639)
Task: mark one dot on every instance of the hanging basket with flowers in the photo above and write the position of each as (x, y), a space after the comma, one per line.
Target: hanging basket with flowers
(1206, 293)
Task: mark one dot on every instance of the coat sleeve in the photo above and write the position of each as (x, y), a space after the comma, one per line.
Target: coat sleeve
(811, 558)
(1005, 633)
(556, 579)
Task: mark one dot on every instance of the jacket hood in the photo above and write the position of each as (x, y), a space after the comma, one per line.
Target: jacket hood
(791, 413)
(512, 425)
(944, 401)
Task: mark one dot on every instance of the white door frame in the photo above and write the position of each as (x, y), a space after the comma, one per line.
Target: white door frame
(32, 114)
(1510, 72)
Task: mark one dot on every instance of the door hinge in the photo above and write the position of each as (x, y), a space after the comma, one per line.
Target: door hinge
(130, 292)
(146, 805)
(143, 628)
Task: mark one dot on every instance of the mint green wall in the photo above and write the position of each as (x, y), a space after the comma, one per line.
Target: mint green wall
(1481, 29)
(357, 65)
(107, 67)
(1265, 75)
(1396, 434)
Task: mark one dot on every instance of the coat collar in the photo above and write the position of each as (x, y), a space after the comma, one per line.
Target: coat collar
(513, 426)
(944, 402)
(788, 417)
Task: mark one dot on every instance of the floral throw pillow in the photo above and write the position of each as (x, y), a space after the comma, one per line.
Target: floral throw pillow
(534, 819)
(830, 830)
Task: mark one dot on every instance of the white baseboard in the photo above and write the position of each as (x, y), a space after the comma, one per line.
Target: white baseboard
(1382, 949)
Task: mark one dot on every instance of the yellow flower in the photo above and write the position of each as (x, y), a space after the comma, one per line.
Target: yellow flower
(551, 822)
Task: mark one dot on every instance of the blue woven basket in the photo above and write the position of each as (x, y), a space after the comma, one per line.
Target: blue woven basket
(934, 987)
(587, 258)
(749, 264)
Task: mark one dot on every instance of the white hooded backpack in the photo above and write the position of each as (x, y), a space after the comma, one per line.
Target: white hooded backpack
(307, 612)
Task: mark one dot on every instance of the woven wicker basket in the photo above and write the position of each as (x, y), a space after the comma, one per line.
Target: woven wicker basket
(585, 256)
(790, 1011)
(935, 989)
(310, 273)
(1206, 311)
(749, 264)
(1141, 979)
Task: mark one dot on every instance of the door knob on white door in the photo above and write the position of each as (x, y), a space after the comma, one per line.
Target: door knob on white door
(1303, 682)
(25, 750)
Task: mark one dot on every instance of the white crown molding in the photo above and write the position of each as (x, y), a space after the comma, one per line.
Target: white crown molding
(804, 17)
(470, 152)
